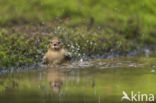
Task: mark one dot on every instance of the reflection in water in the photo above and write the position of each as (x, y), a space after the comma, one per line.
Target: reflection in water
(55, 78)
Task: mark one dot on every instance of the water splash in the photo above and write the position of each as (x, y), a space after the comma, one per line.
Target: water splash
(147, 52)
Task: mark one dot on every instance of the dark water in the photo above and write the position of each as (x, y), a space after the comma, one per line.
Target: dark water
(101, 81)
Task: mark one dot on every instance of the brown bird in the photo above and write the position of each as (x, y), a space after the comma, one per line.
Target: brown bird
(56, 53)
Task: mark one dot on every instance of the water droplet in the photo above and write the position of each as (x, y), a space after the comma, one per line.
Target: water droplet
(152, 70)
(147, 52)
(58, 28)
(81, 60)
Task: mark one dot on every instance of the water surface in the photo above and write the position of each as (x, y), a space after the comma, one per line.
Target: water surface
(98, 81)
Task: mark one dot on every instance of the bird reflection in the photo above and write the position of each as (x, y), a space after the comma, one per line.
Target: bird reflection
(56, 78)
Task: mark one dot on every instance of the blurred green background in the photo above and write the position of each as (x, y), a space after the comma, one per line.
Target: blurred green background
(114, 14)
(90, 27)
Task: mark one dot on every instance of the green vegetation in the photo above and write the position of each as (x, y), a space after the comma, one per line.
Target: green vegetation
(17, 49)
(137, 16)
(24, 49)
(88, 27)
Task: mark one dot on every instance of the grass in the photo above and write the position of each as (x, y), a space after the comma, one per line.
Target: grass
(130, 18)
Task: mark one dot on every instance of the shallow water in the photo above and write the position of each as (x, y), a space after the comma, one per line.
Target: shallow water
(98, 81)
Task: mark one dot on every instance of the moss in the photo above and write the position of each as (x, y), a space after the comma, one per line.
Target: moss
(19, 49)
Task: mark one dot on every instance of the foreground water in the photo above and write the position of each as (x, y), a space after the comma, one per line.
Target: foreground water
(98, 81)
